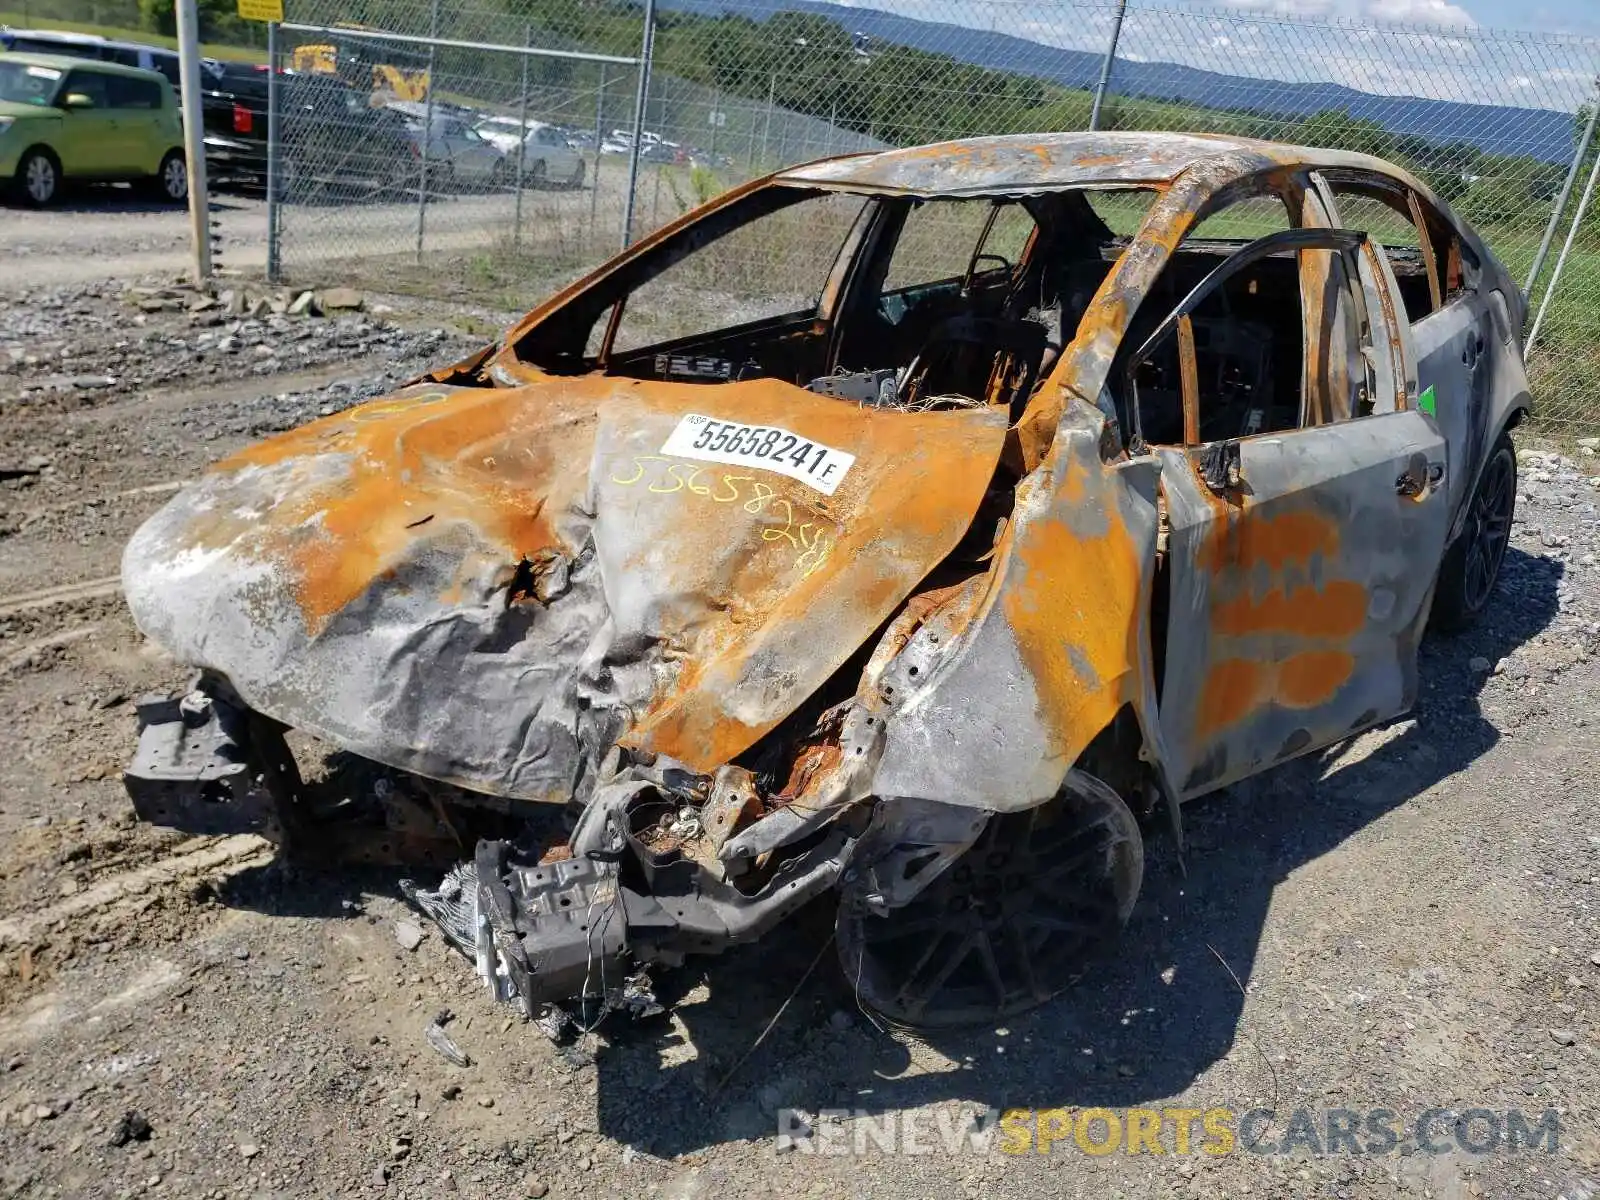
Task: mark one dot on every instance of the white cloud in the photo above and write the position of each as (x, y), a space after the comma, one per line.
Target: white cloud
(1422, 12)
(1417, 12)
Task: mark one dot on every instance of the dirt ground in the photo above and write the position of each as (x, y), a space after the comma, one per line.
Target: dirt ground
(1407, 922)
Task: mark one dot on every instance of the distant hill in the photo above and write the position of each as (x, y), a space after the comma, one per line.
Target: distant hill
(1497, 129)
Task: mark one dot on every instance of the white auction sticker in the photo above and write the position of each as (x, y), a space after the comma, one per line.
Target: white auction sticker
(765, 446)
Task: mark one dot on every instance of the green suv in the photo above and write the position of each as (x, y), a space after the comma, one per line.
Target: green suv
(64, 118)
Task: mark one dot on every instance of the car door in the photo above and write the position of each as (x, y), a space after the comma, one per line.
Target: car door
(91, 146)
(142, 132)
(1300, 560)
(473, 156)
(1449, 315)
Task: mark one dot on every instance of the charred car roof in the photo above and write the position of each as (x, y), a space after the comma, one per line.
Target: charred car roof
(1015, 164)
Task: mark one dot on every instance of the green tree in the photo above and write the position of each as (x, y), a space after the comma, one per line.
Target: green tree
(219, 19)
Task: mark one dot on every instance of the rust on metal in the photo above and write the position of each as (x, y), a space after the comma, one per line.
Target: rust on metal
(804, 601)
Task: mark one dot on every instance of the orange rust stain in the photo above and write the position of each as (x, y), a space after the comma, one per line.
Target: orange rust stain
(1336, 610)
(1073, 602)
(1234, 687)
(1252, 538)
(1237, 687)
(811, 766)
(415, 465)
(1312, 678)
(904, 504)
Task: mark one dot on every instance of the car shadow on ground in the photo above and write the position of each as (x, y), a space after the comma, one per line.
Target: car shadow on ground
(108, 198)
(1160, 1008)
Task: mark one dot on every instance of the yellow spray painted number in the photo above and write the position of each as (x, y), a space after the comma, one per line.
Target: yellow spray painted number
(812, 540)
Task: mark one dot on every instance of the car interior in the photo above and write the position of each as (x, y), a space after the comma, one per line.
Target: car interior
(966, 302)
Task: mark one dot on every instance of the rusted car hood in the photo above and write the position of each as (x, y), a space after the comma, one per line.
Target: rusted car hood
(491, 586)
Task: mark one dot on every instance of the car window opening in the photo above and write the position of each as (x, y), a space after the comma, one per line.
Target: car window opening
(891, 301)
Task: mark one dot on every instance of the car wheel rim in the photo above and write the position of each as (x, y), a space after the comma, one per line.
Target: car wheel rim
(41, 179)
(1010, 923)
(1489, 529)
(175, 175)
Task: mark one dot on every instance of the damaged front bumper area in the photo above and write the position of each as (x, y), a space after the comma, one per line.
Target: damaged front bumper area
(578, 929)
(207, 765)
(659, 864)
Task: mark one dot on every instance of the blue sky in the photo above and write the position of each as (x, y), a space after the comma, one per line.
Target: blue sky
(1549, 16)
(1557, 16)
(1393, 47)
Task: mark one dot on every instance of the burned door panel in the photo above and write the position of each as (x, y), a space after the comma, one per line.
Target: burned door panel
(1298, 599)
(1454, 373)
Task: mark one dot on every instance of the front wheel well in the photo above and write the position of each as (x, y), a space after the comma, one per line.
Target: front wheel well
(43, 148)
(1118, 757)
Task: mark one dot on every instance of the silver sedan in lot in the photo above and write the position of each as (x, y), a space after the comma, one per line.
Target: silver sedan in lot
(548, 157)
(458, 155)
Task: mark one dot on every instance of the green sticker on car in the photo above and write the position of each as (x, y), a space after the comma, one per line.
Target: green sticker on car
(1428, 402)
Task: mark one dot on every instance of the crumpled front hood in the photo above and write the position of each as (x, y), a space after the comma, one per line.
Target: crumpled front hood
(491, 586)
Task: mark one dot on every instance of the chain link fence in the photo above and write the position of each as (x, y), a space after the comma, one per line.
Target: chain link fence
(491, 151)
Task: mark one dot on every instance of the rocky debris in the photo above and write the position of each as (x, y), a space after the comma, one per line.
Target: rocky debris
(123, 341)
(130, 1127)
(441, 1041)
(339, 299)
(408, 934)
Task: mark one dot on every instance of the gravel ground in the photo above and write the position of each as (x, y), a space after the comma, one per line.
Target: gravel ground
(1405, 922)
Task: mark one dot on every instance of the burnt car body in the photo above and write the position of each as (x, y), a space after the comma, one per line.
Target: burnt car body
(917, 526)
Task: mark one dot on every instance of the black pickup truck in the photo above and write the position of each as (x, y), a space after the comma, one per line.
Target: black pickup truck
(331, 138)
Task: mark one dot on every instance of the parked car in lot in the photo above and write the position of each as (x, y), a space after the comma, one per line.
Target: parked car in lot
(918, 528)
(92, 46)
(66, 119)
(502, 132)
(333, 140)
(458, 155)
(547, 155)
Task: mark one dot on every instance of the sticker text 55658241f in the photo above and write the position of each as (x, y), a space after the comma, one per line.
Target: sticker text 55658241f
(763, 446)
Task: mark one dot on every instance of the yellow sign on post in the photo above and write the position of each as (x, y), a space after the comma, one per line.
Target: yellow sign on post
(261, 10)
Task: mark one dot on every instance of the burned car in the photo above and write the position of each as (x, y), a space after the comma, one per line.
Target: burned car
(919, 527)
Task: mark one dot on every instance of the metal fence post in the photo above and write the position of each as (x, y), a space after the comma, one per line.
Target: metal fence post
(1105, 67)
(1566, 194)
(599, 137)
(194, 138)
(766, 126)
(641, 98)
(427, 126)
(522, 136)
(1561, 259)
(274, 181)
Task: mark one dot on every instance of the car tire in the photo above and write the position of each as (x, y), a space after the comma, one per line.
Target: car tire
(38, 180)
(1010, 924)
(576, 181)
(171, 182)
(1471, 566)
(538, 173)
